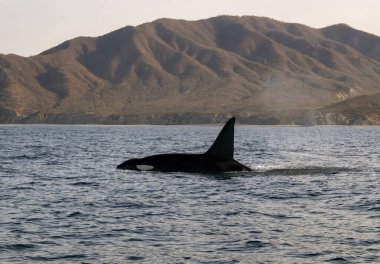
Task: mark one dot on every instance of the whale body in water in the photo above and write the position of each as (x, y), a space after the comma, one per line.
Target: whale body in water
(219, 158)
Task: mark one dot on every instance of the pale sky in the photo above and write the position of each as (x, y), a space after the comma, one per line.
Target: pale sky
(28, 27)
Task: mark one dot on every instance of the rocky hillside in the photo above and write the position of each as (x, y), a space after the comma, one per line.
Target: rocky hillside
(176, 71)
(361, 110)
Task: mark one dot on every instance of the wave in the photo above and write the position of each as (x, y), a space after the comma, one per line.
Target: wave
(291, 171)
(17, 247)
(52, 258)
(308, 170)
(28, 157)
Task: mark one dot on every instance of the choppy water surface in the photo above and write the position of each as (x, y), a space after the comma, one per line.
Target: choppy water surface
(314, 196)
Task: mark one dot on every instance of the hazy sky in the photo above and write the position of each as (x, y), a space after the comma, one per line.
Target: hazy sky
(28, 27)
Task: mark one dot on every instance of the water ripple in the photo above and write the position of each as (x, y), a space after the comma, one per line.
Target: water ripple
(313, 196)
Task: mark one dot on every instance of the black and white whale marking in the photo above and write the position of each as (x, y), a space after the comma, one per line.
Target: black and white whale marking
(219, 158)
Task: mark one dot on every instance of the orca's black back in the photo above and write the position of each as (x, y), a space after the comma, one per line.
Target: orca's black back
(219, 158)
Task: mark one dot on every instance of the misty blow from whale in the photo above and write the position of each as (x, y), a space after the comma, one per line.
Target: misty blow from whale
(219, 158)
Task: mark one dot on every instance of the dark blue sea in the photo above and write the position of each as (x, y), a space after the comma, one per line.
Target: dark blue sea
(313, 197)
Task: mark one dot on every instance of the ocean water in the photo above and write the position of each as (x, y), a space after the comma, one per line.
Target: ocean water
(313, 197)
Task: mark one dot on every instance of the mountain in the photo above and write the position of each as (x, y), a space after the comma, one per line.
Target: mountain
(363, 42)
(176, 71)
(364, 109)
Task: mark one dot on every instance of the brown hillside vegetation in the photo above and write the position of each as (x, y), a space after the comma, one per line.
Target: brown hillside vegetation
(364, 109)
(176, 71)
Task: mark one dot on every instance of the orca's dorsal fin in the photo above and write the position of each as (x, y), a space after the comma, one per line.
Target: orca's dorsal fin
(223, 146)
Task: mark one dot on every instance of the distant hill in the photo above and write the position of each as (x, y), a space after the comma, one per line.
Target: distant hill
(364, 109)
(176, 71)
(363, 42)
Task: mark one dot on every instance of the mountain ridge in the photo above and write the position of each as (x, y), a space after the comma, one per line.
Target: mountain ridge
(249, 66)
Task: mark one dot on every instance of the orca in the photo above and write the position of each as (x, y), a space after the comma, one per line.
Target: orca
(219, 158)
